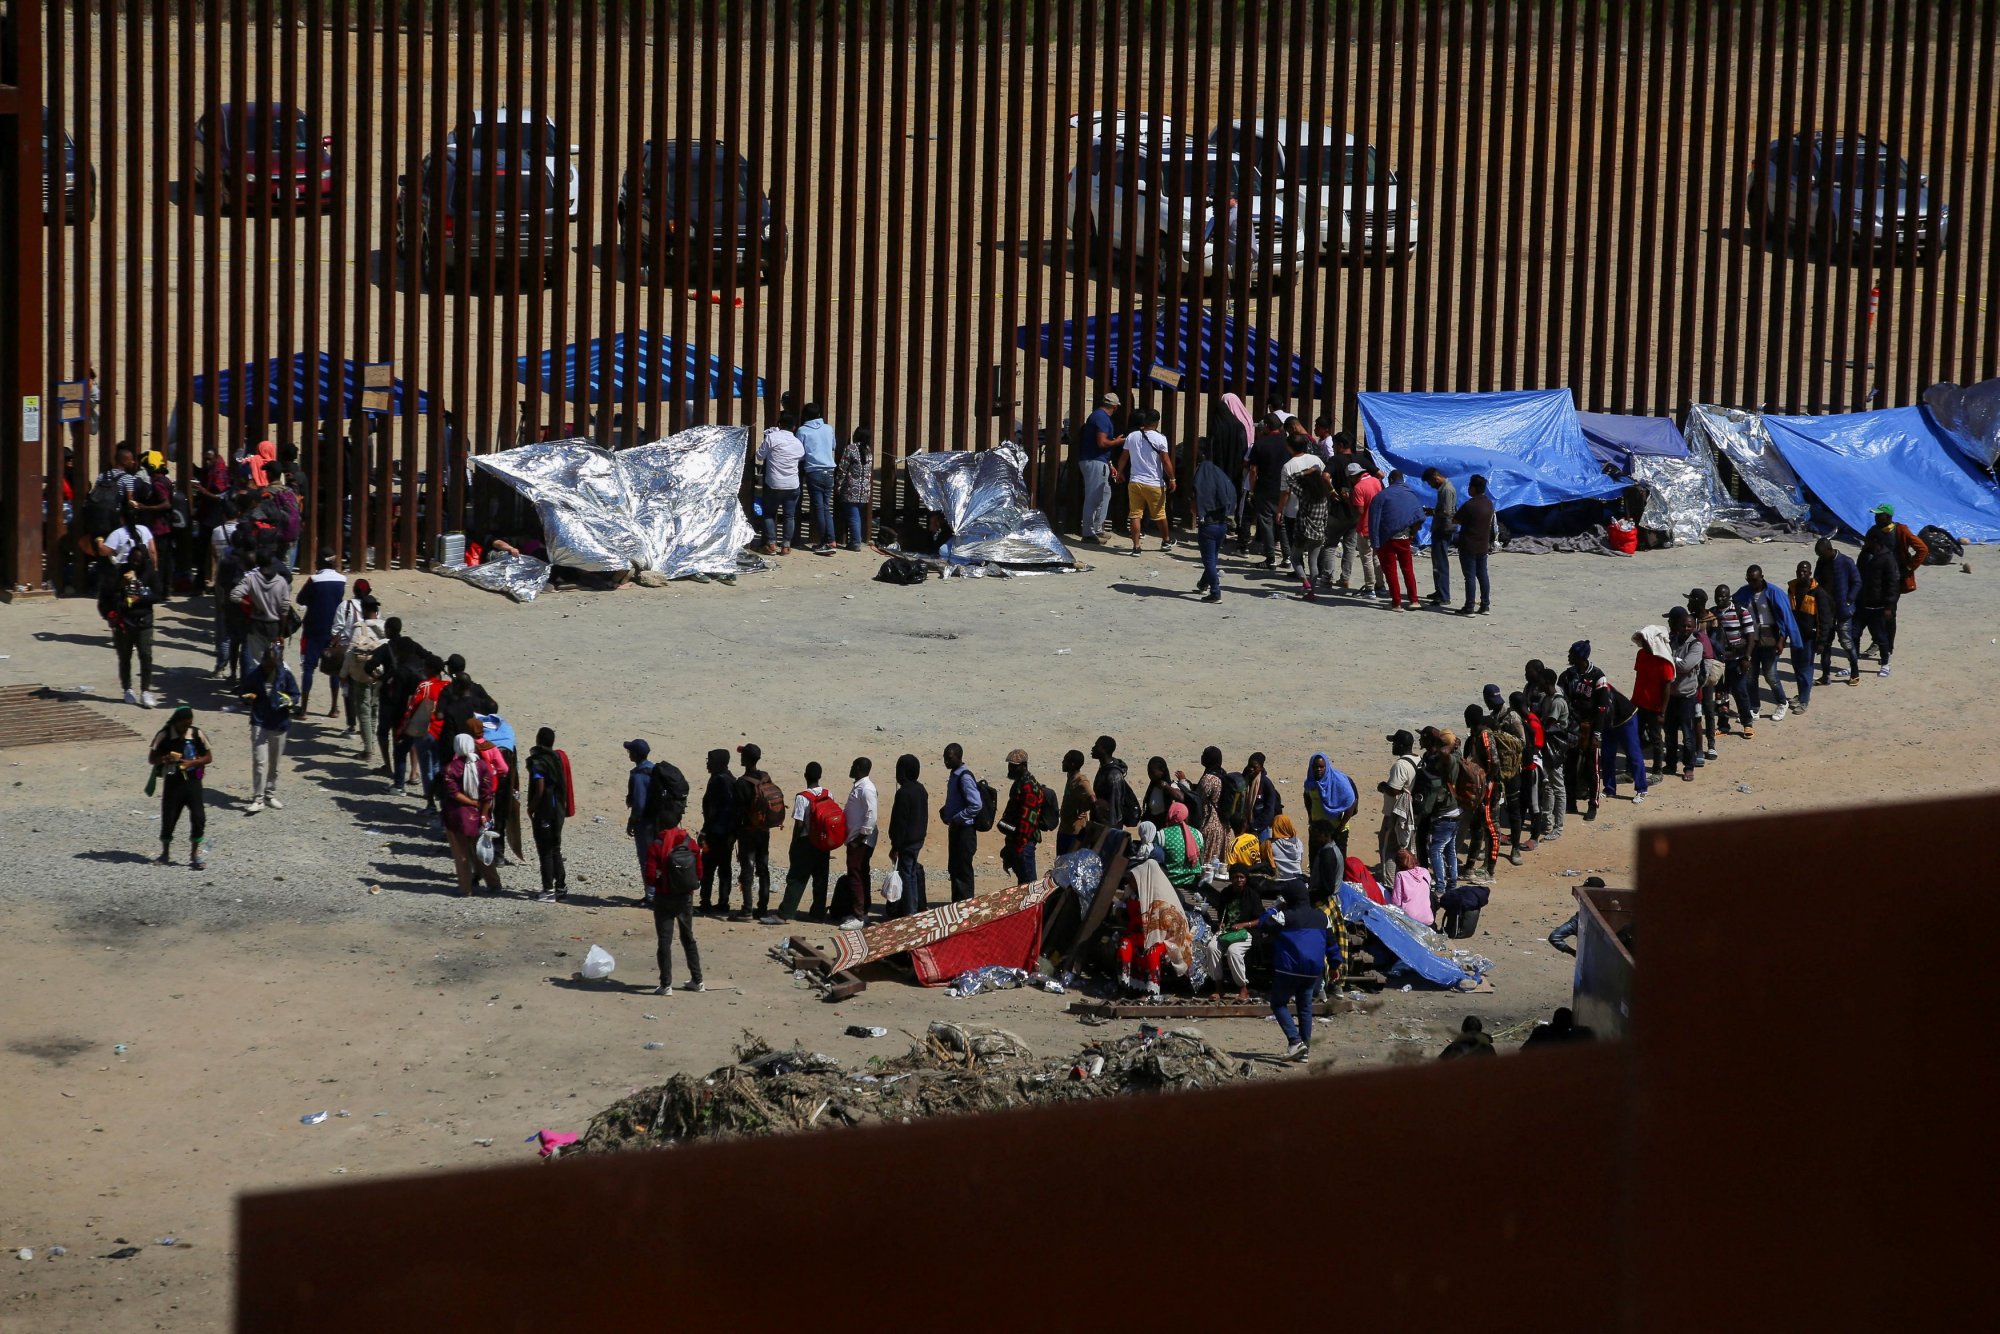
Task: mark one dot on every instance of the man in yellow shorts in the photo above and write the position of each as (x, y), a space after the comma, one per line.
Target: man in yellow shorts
(1148, 474)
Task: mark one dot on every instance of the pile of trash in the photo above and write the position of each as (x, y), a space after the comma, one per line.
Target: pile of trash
(956, 1069)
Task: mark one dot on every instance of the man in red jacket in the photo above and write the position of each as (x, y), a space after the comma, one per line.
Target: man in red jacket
(673, 874)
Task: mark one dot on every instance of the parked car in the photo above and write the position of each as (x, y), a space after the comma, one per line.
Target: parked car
(505, 129)
(279, 160)
(79, 181)
(1162, 168)
(1854, 190)
(453, 188)
(1374, 208)
(721, 212)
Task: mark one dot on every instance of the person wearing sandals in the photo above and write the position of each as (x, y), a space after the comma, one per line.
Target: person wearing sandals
(467, 789)
(180, 755)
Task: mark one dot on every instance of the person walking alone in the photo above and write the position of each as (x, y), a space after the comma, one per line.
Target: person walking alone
(673, 875)
(180, 755)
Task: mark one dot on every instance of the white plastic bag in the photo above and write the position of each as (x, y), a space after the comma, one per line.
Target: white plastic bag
(598, 963)
(892, 886)
(484, 848)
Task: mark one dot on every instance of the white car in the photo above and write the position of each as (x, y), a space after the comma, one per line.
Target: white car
(1168, 217)
(1383, 210)
(543, 139)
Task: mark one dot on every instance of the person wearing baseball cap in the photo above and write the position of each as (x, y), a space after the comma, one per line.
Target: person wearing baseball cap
(1102, 442)
(1020, 818)
(1397, 815)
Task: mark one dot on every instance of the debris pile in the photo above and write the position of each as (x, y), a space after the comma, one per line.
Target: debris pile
(955, 1069)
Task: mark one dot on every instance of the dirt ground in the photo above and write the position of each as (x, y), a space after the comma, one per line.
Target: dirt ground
(165, 1031)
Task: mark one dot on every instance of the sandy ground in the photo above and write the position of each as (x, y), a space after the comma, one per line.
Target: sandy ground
(166, 1030)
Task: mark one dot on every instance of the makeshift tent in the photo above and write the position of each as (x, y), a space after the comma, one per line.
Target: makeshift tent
(1527, 444)
(670, 506)
(1687, 497)
(651, 364)
(983, 496)
(1616, 440)
(1195, 343)
(1970, 418)
(232, 391)
(1855, 461)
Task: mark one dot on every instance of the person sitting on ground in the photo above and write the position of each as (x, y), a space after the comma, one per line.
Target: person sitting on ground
(1561, 1027)
(1227, 950)
(1155, 938)
(469, 787)
(1146, 843)
(1181, 849)
(1245, 848)
(1472, 1040)
(1302, 947)
(673, 875)
(1283, 853)
(1410, 892)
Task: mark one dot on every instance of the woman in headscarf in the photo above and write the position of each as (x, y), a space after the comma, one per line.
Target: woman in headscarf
(1284, 852)
(180, 756)
(1210, 787)
(260, 462)
(1155, 934)
(1182, 846)
(1329, 796)
(468, 786)
(1146, 847)
(1359, 874)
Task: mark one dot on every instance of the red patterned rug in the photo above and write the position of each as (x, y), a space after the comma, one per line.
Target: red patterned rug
(902, 935)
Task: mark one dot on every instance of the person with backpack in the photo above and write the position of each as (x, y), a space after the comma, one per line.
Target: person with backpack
(125, 599)
(909, 826)
(551, 801)
(1261, 796)
(266, 595)
(673, 875)
(180, 755)
(1510, 742)
(364, 691)
(638, 802)
(966, 807)
(819, 825)
(271, 691)
(109, 505)
(761, 806)
(1881, 592)
(861, 816)
(421, 725)
(1110, 785)
(1031, 808)
(1588, 694)
(720, 821)
(1478, 762)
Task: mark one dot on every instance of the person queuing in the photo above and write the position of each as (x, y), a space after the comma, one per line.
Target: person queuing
(1148, 474)
(673, 877)
(1021, 823)
(862, 812)
(551, 802)
(960, 816)
(909, 826)
(320, 599)
(721, 818)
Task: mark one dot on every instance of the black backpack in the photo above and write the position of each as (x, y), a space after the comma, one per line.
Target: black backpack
(1048, 817)
(666, 795)
(1944, 548)
(989, 807)
(682, 878)
(1235, 795)
(104, 509)
(1197, 805)
(1128, 805)
(555, 797)
(902, 570)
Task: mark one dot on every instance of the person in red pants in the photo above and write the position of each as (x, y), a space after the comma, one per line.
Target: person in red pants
(1393, 519)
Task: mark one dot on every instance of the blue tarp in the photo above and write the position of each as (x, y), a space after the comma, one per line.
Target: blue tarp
(1527, 444)
(636, 355)
(271, 379)
(1855, 461)
(1158, 338)
(1393, 930)
(1614, 438)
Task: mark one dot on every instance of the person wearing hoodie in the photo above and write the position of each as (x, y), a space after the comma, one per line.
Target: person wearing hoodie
(962, 805)
(909, 826)
(269, 590)
(1881, 590)
(1110, 785)
(1301, 945)
(125, 600)
(1839, 581)
(719, 822)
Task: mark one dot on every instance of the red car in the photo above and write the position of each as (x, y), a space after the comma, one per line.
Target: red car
(277, 161)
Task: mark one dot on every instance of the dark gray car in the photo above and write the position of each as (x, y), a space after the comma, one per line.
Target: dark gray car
(454, 193)
(1848, 193)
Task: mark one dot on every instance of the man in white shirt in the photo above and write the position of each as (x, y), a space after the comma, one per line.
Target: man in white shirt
(1396, 810)
(862, 811)
(780, 451)
(1148, 475)
(808, 861)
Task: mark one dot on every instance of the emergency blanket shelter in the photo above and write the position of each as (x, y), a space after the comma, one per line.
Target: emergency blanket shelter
(983, 495)
(1969, 415)
(1003, 928)
(1616, 440)
(1685, 497)
(1527, 444)
(1852, 462)
(670, 506)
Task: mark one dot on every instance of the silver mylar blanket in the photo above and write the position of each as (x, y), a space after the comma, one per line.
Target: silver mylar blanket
(984, 499)
(1685, 496)
(1970, 415)
(669, 506)
(519, 577)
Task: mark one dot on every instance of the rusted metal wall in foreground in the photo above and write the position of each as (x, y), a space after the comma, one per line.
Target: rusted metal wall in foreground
(1777, 1145)
(1575, 175)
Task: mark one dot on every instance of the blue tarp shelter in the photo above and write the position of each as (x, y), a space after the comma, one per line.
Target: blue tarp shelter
(1854, 461)
(1614, 438)
(235, 389)
(683, 372)
(1526, 443)
(1195, 342)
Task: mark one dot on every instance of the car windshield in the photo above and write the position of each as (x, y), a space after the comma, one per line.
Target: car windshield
(1342, 160)
(260, 126)
(533, 137)
(1852, 167)
(728, 168)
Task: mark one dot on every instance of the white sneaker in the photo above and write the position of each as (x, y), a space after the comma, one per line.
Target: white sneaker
(1638, 797)
(256, 804)
(852, 924)
(1779, 716)
(1298, 1051)
(273, 802)
(1884, 671)
(131, 698)
(693, 986)
(147, 699)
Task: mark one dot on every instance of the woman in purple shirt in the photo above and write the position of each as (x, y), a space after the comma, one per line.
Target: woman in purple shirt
(468, 786)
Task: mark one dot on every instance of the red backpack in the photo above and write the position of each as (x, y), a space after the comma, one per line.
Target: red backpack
(826, 822)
